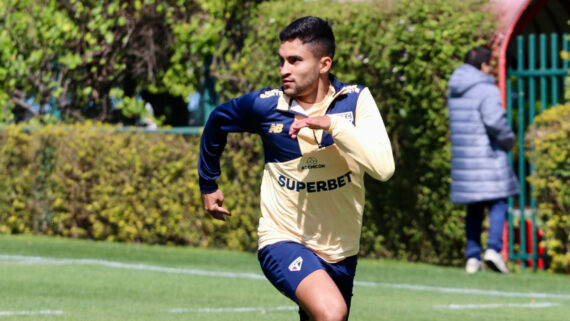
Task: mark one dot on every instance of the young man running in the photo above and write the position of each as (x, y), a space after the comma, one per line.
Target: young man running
(319, 136)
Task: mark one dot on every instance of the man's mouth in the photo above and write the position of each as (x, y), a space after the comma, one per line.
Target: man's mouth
(287, 82)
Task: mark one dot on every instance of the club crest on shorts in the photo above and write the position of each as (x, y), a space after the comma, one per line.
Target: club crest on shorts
(296, 265)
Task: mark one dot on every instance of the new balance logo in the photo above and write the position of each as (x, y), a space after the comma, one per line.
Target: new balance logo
(275, 128)
(296, 265)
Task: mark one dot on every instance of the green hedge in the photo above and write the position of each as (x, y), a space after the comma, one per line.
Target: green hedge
(92, 182)
(551, 156)
(143, 188)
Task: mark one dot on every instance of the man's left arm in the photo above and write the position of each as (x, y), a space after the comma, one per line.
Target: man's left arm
(366, 141)
(495, 120)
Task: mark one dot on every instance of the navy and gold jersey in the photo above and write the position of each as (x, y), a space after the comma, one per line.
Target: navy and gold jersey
(312, 191)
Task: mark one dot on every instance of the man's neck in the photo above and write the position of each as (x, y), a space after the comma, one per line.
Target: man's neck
(316, 96)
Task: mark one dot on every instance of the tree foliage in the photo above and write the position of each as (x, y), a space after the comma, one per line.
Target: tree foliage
(81, 56)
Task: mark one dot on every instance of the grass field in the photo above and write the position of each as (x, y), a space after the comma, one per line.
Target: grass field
(59, 279)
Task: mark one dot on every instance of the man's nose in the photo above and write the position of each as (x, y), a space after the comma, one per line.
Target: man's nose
(284, 69)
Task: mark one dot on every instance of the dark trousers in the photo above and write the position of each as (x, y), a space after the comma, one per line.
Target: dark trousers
(473, 224)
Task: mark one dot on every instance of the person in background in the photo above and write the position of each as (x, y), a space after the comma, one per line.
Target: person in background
(481, 176)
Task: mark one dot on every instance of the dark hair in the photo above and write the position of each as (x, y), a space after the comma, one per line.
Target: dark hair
(477, 56)
(312, 30)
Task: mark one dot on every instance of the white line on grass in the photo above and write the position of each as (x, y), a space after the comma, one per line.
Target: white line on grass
(498, 305)
(415, 287)
(41, 312)
(234, 310)
(154, 268)
(127, 266)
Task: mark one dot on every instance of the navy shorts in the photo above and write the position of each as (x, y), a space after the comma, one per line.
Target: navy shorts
(286, 264)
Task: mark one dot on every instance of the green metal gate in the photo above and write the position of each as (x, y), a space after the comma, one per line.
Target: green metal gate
(533, 88)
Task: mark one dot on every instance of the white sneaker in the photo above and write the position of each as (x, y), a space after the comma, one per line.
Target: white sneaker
(495, 261)
(473, 265)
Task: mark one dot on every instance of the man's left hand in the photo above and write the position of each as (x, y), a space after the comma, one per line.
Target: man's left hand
(318, 122)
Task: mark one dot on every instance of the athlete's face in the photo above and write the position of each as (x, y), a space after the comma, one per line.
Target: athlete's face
(299, 68)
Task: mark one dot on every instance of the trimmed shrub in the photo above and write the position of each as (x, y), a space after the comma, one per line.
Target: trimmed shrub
(549, 136)
(93, 182)
(17, 176)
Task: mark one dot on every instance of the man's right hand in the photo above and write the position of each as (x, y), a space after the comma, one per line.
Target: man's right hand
(213, 204)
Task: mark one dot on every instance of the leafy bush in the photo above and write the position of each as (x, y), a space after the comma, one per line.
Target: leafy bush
(143, 188)
(73, 54)
(404, 51)
(92, 182)
(549, 136)
(17, 178)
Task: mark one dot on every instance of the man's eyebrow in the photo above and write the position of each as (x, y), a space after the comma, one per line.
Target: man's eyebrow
(291, 56)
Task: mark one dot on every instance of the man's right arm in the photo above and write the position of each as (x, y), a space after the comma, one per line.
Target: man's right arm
(233, 116)
(213, 204)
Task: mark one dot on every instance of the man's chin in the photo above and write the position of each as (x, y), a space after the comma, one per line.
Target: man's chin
(289, 91)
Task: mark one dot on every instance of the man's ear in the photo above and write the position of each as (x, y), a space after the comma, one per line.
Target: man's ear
(326, 64)
(486, 68)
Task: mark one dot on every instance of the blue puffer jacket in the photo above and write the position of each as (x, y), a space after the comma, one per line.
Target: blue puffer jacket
(480, 139)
